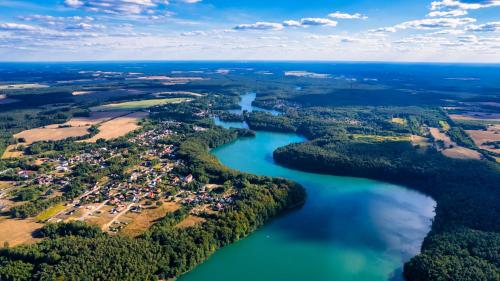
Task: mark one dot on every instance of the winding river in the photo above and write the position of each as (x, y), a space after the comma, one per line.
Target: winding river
(349, 228)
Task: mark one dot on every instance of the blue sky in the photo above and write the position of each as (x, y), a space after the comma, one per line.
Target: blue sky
(362, 30)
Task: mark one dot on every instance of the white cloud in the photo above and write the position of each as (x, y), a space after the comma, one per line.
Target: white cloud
(487, 27)
(339, 15)
(317, 22)
(260, 26)
(291, 23)
(470, 5)
(17, 27)
(435, 23)
(121, 7)
(383, 30)
(452, 13)
(73, 3)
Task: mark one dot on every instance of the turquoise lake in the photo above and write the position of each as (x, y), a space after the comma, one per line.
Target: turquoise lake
(348, 229)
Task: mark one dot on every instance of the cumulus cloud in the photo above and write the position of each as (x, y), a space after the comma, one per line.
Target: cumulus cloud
(317, 22)
(452, 13)
(468, 5)
(305, 22)
(260, 26)
(339, 15)
(435, 23)
(124, 7)
(487, 27)
(17, 27)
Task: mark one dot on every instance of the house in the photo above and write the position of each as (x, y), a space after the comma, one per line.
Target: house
(188, 178)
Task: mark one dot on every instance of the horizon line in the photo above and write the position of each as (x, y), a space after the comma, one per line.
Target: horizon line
(251, 61)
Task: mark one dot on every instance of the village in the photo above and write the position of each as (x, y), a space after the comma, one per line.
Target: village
(128, 203)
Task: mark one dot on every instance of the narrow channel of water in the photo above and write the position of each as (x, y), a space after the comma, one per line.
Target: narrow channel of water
(349, 229)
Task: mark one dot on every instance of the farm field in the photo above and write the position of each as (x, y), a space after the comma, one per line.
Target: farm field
(491, 135)
(51, 133)
(479, 116)
(11, 152)
(450, 148)
(118, 127)
(137, 105)
(16, 232)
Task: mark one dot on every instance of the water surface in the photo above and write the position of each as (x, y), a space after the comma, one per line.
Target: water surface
(349, 229)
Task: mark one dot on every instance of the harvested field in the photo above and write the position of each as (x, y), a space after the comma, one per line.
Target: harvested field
(52, 133)
(11, 152)
(140, 222)
(459, 152)
(190, 221)
(480, 116)
(17, 232)
(118, 127)
(481, 137)
(137, 105)
(450, 148)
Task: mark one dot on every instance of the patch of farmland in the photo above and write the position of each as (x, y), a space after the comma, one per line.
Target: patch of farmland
(445, 145)
(481, 137)
(137, 105)
(51, 133)
(16, 232)
(118, 127)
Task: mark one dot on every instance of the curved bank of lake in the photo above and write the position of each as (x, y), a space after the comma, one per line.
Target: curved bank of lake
(349, 228)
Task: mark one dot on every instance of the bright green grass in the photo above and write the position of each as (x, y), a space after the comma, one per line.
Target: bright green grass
(444, 125)
(137, 105)
(50, 212)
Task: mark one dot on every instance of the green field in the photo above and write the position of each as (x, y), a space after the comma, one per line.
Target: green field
(137, 105)
(50, 212)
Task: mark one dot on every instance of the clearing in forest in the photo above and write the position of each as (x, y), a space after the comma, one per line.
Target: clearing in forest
(190, 221)
(140, 222)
